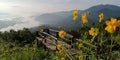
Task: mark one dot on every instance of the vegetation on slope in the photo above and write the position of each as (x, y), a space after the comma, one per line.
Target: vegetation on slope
(100, 41)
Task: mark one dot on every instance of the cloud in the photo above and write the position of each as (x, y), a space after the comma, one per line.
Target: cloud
(27, 22)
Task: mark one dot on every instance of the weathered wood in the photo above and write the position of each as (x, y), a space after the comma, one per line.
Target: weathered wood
(64, 44)
(69, 35)
(53, 30)
(52, 41)
(49, 35)
(47, 45)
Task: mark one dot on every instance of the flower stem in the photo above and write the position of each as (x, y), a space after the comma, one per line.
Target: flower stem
(93, 38)
(101, 37)
(111, 45)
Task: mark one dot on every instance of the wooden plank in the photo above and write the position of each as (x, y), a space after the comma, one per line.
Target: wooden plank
(53, 30)
(69, 35)
(64, 44)
(53, 47)
(47, 41)
(49, 35)
(39, 38)
(48, 45)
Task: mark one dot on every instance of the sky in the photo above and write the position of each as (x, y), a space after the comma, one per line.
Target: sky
(25, 8)
(44, 6)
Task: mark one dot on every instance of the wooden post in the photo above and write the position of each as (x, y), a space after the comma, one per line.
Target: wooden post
(45, 48)
(57, 35)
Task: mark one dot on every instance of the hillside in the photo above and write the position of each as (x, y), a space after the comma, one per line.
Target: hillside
(65, 19)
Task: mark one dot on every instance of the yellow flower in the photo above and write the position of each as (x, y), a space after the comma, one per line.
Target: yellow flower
(110, 28)
(80, 57)
(111, 25)
(80, 45)
(113, 22)
(74, 18)
(62, 58)
(118, 22)
(75, 14)
(59, 46)
(101, 17)
(41, 30)
(62, 34)
(93, 31)
(84, 18)
(62, 52)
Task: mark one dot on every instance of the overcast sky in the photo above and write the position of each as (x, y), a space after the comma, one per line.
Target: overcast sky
(43, 6)
(24, 8)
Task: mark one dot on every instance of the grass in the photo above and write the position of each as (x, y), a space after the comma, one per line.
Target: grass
(10, 51)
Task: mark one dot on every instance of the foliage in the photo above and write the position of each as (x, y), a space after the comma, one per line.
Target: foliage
(11, 51)
(21, 37)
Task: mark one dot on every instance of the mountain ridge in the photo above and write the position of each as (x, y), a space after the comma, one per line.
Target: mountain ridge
(65, 19)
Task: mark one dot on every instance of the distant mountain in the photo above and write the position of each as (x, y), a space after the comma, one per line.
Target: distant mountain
(65, 18)
(108, 10)
(100, 7)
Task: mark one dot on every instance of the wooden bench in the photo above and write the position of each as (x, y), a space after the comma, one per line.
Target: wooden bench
(50, 38)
